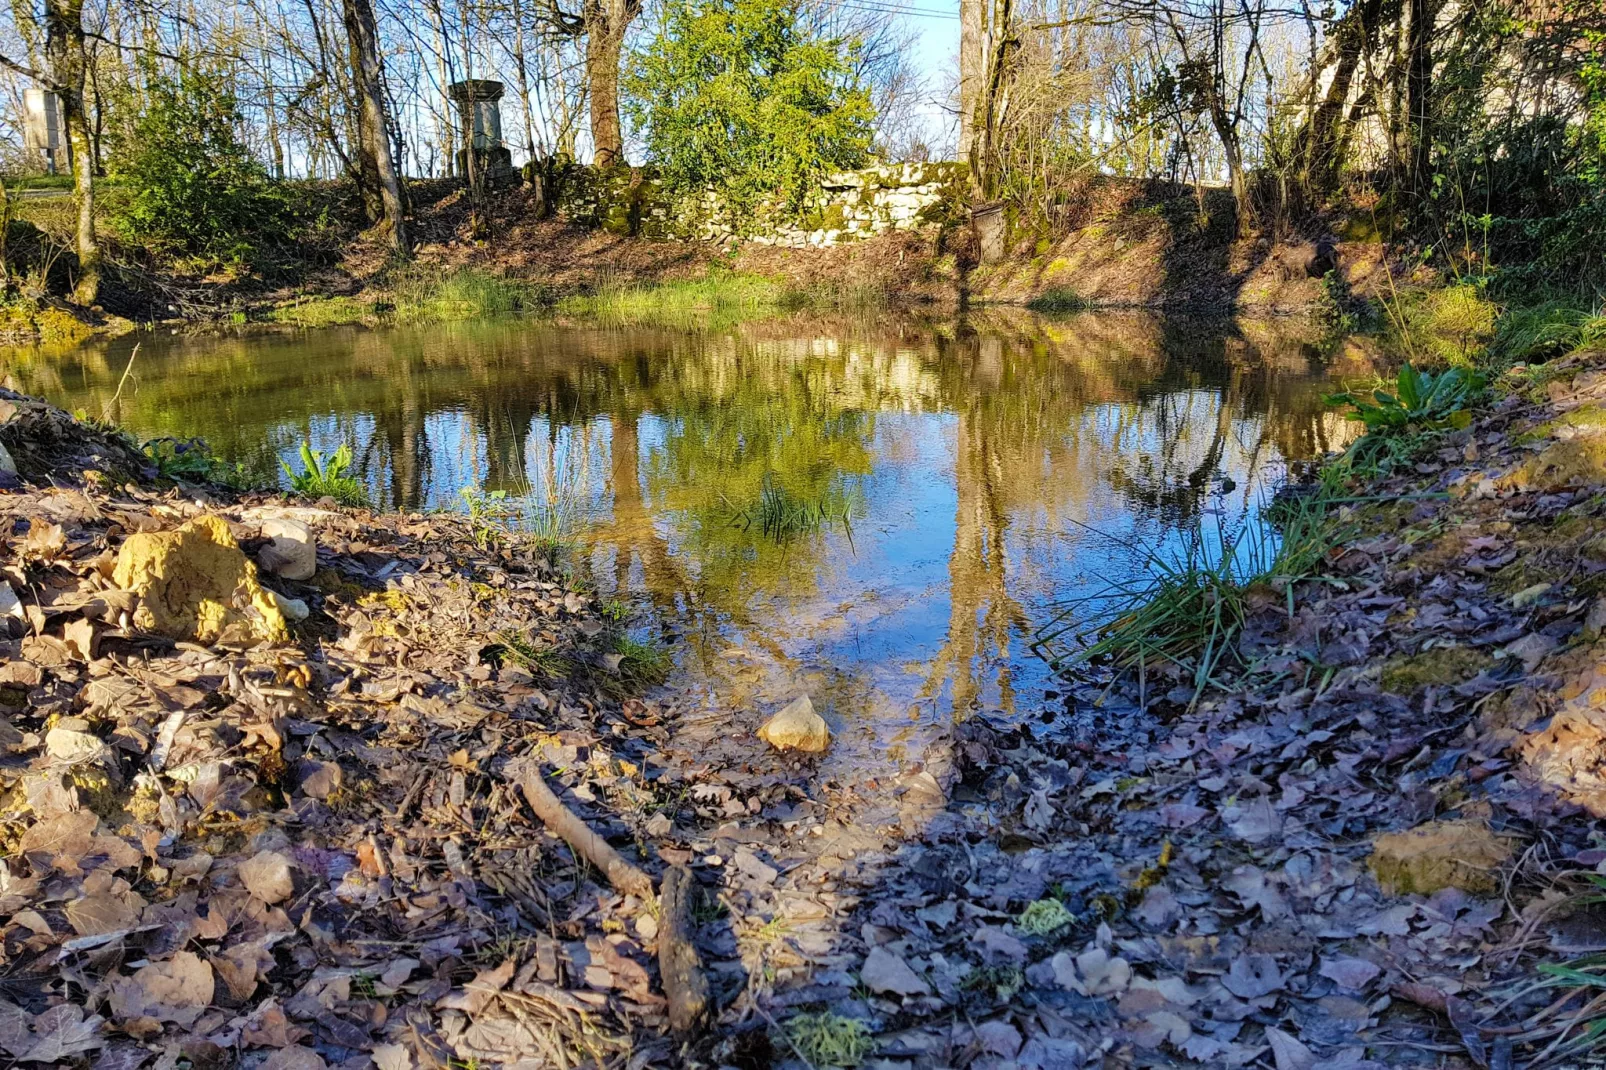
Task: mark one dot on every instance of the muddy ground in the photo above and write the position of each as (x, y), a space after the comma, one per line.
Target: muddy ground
(307, 850)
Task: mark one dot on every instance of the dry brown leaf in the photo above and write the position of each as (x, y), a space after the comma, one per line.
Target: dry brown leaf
(61, 1033)
(103, 913)
(175, 991)
(43, 543)
(479, 992)
(63, 839)
(267, 876)
(15, 1035)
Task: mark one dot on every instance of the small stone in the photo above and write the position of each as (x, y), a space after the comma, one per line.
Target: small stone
(7, 465)
(1438, 855)
(294, 609)
(292, 553)
(797, 727)
(267, 876)
(1595, 619)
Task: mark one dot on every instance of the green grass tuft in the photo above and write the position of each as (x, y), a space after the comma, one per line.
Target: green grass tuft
(827, 1039)
(320, 478)
(1189, 609)
(1059, 301)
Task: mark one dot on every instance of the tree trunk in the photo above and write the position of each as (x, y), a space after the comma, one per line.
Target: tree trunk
(606, 22)
(1232, 150)
(443, 59)
(1418, 89)
(972, 69)
(373, 126)
(64, 49)
(521, 67)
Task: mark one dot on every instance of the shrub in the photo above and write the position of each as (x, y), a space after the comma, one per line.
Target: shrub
(191, 186)
(745, 97)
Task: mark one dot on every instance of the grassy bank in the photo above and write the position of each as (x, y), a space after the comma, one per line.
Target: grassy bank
(1184, 617)
(715, 300)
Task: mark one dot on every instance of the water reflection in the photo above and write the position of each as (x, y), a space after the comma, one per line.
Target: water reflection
(984, 471)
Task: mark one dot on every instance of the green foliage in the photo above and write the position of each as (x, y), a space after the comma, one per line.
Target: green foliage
(326, 479)
(1060, 300)
(780, 515)
(193, 461)
(1335, 308)
(422, 296)
(746, 97)
(1044, 917)
(1421, 401)
(827, 1039)
(641, 664)
(515, 648)
(1189, 609)
(1549, 327)
(191, 184)
(716, 301)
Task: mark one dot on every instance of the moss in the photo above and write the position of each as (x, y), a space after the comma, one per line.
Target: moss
(24, 321)
(324, 312)
(1571, 462)
(1584, 419)
(1440, 666)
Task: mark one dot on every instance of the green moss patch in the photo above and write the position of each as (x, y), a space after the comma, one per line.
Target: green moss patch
(1441, 666)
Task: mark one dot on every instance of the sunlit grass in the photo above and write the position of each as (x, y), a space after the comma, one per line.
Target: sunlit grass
(420, 295)
(717, 299)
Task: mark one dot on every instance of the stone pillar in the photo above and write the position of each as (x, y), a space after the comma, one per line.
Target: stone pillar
(480, 111)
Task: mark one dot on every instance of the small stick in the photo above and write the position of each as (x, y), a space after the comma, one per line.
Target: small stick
(684, 981)
(563, 823)
(106, 409)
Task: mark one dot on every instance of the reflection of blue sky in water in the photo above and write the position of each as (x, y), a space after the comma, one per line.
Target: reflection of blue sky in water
(988, 476)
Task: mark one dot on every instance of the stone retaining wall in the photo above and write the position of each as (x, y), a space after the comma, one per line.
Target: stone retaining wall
(846, 207)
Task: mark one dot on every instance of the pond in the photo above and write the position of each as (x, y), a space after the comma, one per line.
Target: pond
(880, 516)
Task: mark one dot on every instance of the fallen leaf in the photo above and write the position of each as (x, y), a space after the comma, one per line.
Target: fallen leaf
(1288, 1051)
(1253, 976)
(61, 1033)
(884, 971)
(267, 876)
(1353, 974)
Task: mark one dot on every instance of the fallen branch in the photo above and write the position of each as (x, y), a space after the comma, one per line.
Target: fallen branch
(684, 981)
(563, 823)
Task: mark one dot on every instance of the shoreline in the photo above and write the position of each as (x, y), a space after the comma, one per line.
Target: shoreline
(1282, 865)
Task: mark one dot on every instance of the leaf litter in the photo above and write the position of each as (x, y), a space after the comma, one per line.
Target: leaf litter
(313, 854)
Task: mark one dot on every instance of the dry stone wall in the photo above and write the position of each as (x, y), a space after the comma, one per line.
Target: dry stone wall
(846, 207)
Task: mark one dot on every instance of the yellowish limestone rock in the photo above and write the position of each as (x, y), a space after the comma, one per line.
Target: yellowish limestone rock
(196, 584)
(797, 727)
(1440, 854)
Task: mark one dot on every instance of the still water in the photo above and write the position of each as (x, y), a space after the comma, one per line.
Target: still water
(973, 476)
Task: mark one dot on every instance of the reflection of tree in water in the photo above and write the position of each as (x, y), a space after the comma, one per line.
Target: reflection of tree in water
(1047, 418)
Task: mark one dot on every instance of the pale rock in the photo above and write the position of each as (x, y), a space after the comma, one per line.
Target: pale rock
(293, 609)
(11, 605)
(7, 465)
(797, 727)
(292, 553)
(884, 971)
(267, 876)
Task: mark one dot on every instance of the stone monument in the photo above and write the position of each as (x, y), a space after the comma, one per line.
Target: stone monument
(480, 114)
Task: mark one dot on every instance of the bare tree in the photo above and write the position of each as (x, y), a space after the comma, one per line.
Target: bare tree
(373, 125)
